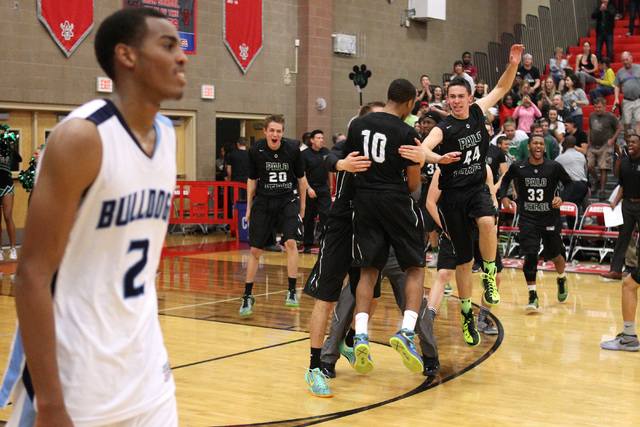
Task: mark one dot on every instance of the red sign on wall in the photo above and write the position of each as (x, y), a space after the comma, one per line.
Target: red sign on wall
(68, 22)
(243, 33)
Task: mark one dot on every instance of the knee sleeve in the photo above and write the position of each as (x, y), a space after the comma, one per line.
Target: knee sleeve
(530, 267)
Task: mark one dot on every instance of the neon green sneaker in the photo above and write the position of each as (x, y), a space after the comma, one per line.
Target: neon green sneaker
(490, 294)
(469, 332)
(247, 305)
(532, 305)
(317, 382)
(347, 352)
(448, 290)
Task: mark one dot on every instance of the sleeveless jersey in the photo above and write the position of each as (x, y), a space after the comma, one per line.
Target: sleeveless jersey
(379, 136)
(111, 356)
(470, 137)
(277, 171)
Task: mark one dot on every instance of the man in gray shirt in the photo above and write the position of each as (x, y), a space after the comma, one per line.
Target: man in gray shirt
(604, 128)
(575, 164)
(628, 78)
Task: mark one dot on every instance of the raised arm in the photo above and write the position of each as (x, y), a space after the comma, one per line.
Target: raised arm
(506, 80)
(71, 162)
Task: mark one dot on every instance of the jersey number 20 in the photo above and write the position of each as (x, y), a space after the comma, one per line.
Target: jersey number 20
(130, 288)
(378, 144)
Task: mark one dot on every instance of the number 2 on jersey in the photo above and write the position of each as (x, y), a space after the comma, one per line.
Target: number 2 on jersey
(378, 144)
(130, 288)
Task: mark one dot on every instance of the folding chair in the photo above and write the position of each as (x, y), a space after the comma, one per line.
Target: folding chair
(595, 232)
(569, 209)
(510, 232)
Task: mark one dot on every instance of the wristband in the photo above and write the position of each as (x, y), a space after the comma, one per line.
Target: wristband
(616, 203)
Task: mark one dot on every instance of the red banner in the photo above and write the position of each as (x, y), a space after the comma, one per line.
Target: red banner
(68, 22)
(243, 33)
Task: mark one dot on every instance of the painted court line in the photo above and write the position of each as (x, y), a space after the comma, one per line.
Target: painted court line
(218, 301)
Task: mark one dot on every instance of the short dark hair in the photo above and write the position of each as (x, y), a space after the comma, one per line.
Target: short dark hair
(401, 91)
(127, 26)
(242, 141)
(278, 118)
(536, 136)
(460, 81)
(535, 126)
(569, 120)
(501, 139)
(570, 141)
(606, 60)
(315, 132)
(466, 53)
(433, 115)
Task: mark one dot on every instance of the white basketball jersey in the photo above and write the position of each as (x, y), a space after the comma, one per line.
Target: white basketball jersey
(112, 360)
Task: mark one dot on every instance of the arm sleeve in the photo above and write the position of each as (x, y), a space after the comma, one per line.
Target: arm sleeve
(582, 96)
(337, 153)
(609, 77)
(516, 112)
(298, 164)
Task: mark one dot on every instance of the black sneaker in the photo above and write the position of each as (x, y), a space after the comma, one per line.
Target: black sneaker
(563, 289)
(329, 369)
(532, 305)
(476, 268)
(306, 251)
(431, 366)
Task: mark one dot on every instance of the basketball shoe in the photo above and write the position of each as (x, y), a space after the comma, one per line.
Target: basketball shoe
(362, 352)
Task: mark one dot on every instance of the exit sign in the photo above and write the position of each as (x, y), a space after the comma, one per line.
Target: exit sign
(208, 92)
(104, 84)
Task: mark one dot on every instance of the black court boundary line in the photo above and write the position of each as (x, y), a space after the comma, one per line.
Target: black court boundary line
(426, 385)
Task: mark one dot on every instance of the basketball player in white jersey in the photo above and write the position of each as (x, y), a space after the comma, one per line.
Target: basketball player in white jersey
(85, 284)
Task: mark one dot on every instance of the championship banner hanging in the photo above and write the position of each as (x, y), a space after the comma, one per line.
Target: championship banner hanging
(243, 33)
(68, 22)
(181, 13)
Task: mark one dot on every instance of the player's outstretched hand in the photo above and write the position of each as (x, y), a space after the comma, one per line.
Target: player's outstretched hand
(515, 56)
(355, 163)
(451, 157)
(415, 153)
(556, 202)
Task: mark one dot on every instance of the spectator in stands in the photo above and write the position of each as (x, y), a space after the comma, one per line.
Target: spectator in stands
(545, 96)
(604, 14)
(628, 78)
(424, 95)
(468, 67)
(574, 98)
(582, 140)
(507, 107)
(529, 73)
(458, 71)
(481, 90)
(526, 113)
(605, 82)
(634, 10)
(557, 64)
(548, 135)
(558, 104)
(604, 129)
(524, 90)
(522, 151)
(575, 164)
(586, 65)
(337, 137)
(437, 98)
(514, 135)
(423, 108)
(306, 140)
(556, 127)
(629, 194)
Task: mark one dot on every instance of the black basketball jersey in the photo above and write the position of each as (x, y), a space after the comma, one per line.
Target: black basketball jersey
(277, 171)
(537, 185)
(495, 157)
(470, 137)
(379, 136)
(345, 186)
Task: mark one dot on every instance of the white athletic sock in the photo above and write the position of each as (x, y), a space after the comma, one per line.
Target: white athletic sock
(531, 287)
(561, 276)
(362, 319)
(409, 320)
(629, 328)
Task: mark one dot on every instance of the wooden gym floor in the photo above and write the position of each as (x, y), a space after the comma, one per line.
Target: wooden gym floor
(544, 368)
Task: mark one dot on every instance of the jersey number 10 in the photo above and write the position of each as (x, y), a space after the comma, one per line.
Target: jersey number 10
(378, 144)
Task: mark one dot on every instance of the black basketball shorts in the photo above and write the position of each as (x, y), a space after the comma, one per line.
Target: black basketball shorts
(271, 213)
(531, 235)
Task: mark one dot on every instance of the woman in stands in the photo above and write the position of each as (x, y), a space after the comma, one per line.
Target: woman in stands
(545, 96)
(556, 65)
(574, 98)
(586, 65)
